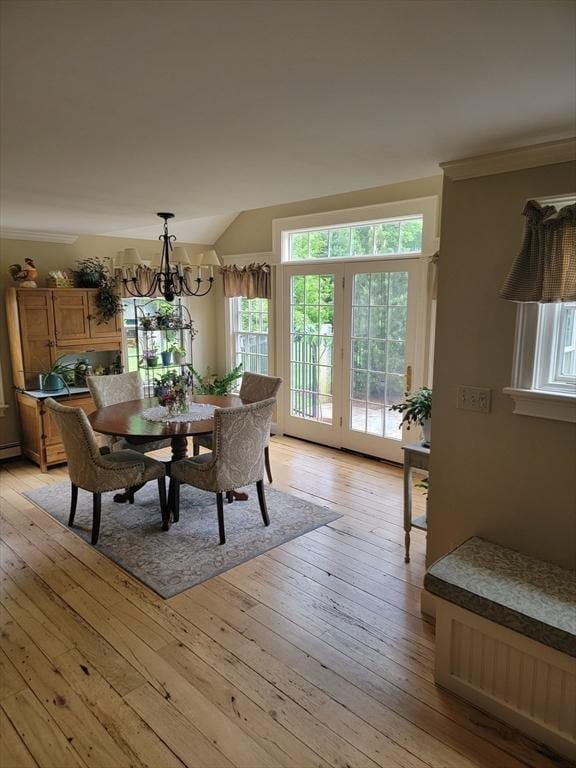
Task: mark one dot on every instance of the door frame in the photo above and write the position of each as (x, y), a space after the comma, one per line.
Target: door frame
(333, 436)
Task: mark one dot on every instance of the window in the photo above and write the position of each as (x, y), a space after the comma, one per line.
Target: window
(249, 326)
(388, 237)
(544, 373)
(544, 370)
(556, 350)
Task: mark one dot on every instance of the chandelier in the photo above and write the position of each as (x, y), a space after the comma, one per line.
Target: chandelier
(171, 270)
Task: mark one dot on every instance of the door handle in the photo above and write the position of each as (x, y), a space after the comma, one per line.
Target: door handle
(408, 378)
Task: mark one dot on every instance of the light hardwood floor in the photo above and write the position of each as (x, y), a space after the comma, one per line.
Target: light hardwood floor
(314, 654)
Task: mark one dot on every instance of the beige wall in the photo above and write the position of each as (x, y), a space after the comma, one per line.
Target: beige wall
(251, 231)
(52, 256)
(506, 477)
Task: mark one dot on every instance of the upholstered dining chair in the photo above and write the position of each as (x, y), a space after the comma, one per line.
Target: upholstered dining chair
(236, 459)
(254, 387)
(98, 473)
(118, 388)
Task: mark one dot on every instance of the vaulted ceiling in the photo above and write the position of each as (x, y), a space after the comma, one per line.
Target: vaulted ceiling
(114, 110)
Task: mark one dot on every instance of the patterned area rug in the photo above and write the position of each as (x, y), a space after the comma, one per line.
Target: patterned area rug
(171, 561)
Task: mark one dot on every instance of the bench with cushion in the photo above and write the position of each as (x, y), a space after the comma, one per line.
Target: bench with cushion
(506, 637)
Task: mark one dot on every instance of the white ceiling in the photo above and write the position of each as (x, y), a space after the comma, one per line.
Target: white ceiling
(115, 110)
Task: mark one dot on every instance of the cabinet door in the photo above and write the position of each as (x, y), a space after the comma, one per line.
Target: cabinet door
(111, 329)
(71, 316)
(52, 442)
(37, 333)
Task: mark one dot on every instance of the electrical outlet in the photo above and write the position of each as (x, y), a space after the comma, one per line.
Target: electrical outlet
(474, 399)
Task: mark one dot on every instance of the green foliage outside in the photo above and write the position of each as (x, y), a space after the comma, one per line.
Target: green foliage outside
(381, 239)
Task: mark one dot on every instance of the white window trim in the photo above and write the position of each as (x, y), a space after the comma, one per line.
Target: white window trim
(427, 207)
(528, 399)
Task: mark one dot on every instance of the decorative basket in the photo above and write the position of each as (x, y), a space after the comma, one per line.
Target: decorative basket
(59, 282)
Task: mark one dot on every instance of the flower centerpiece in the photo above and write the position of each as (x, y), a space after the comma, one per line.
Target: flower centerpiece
(173, 389)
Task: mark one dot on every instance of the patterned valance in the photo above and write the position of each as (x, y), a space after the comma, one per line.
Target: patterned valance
(545, 268)
(251, 282)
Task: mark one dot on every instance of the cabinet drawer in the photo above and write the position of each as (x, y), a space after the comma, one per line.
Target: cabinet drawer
(55, 453)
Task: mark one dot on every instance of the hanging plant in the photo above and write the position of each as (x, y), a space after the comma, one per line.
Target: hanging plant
(93, 273)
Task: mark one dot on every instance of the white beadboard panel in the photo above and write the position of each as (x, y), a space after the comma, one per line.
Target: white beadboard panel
(520, 681)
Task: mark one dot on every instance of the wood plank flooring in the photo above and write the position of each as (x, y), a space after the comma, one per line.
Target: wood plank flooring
(310, 656)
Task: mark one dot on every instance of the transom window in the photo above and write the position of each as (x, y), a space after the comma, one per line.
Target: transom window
(249, 325)
(387, 237)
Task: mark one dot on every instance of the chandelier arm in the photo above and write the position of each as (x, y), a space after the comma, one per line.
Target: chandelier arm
(170, 280)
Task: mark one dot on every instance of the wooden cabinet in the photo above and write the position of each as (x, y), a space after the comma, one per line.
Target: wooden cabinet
(71, 316)
(35, 323)
(40, 437)
(44, 324)
(111, 329)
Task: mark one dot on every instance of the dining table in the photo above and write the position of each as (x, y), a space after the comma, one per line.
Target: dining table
(127, 420)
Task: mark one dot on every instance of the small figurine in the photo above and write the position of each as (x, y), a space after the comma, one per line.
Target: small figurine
(25, 277)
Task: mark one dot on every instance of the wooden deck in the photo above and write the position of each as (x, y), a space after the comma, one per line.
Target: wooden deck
(314, 654)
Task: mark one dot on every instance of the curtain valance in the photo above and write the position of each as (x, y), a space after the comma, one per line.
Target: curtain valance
(251, 282)
(143, 275)
(545, 268)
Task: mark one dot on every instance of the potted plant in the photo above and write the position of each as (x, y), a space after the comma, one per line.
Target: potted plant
(178, 354)
(416, 408)
(211, 384)
(93, 273)
(150, 356)
(59, 377)
(166, 356)
(164, 317)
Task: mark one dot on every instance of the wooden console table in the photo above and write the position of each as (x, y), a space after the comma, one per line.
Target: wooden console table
(416, 456)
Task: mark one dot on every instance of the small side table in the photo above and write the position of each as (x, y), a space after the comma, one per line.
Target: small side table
(416, 456)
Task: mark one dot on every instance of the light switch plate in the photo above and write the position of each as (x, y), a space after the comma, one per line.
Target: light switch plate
(474, 399)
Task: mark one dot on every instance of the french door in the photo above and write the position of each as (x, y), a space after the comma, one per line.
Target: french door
(350, 352)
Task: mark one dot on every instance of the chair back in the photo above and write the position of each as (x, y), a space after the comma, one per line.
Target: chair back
(240, 436)
(257, 387)
(116, 388)
(86, 467)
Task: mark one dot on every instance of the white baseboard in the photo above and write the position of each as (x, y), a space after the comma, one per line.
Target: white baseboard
(10, 451)
(427, 604)
(518, 680)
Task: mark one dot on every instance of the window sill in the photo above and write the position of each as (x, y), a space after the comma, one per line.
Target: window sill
(543, 405)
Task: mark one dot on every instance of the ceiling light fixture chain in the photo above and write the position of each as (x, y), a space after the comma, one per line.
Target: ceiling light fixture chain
(170, 278)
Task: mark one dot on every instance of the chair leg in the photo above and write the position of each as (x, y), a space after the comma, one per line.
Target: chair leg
(229, 497)
(174, 499)
(220, 508)
(96, 513)
(195, 449)
(73, 503)
(267, 464)
(163, 505)
(262, 502)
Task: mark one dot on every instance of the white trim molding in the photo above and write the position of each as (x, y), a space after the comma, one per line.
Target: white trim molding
(11, 451)
(43, 237)
(548, 153)
(545, 405)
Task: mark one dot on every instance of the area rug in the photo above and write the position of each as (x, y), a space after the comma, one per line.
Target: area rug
(171, 561)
